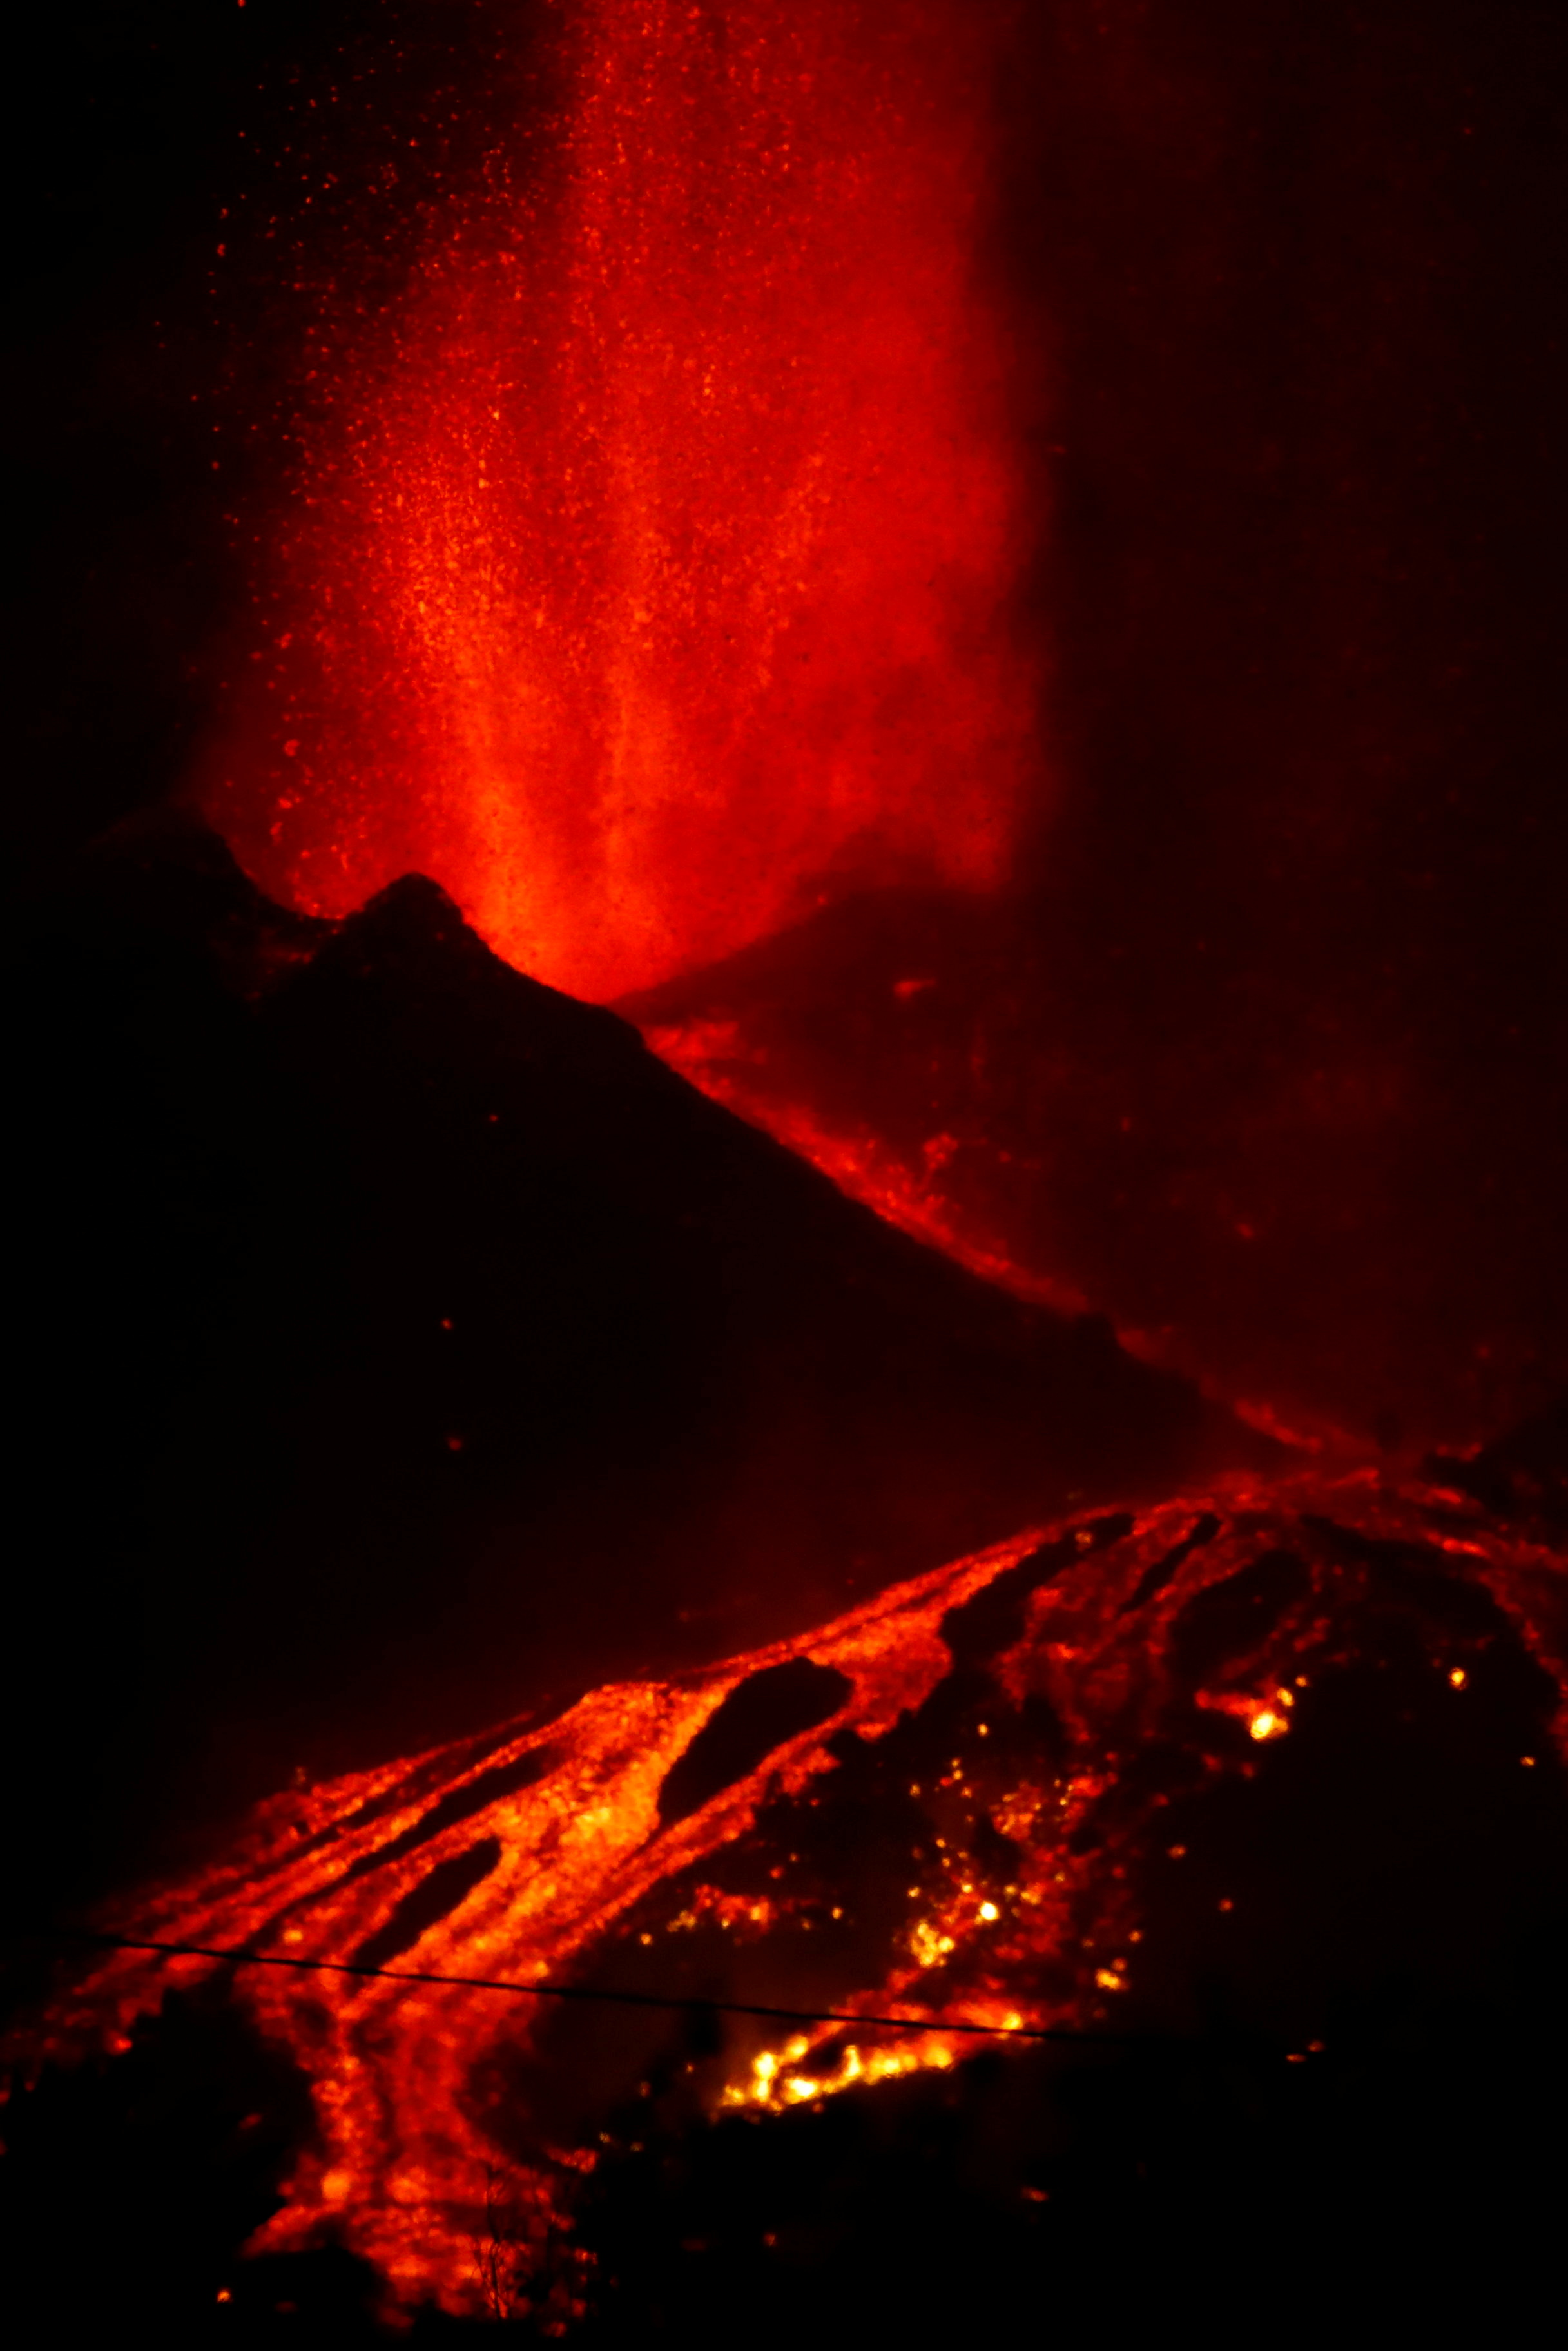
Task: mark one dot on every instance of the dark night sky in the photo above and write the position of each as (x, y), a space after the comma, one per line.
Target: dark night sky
(1297, 277)
(1302, 269)
(1288, 282)
(1288, 285)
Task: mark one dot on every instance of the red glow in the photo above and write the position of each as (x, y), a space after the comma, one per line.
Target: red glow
(1201, 1631)
(870, 1170)
(653, 558)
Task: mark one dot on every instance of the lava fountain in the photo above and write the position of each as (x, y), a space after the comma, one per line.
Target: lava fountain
(654, 572)
(654, 554)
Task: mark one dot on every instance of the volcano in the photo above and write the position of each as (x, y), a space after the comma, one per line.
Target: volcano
(1197, 1753)
(866, 1639)
(424, 1298)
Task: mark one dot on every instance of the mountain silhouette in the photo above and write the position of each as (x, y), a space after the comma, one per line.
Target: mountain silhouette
(405, 1345)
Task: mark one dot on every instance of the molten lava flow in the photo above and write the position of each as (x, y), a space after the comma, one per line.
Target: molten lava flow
(945, 1807)
(654, 556)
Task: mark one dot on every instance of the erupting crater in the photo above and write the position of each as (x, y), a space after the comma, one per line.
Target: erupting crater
(654, 553)
(658, 577)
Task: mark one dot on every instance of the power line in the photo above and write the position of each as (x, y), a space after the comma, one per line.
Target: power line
(241, 1957)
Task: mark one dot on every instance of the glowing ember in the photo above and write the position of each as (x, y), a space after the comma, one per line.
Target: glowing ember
(935, 1809)
(654, 555)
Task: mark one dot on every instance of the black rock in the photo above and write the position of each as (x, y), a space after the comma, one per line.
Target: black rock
(401, 1344)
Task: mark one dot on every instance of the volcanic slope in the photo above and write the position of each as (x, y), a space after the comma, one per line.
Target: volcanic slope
(410, 1345)
(1252, 1803)
(1253, 1161)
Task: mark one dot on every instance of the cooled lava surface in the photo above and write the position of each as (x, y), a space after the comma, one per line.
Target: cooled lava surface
(1284, 1752)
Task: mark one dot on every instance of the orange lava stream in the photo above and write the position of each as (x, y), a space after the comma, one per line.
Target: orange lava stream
(653, 555)
(572, 1867)
(399, 2165)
